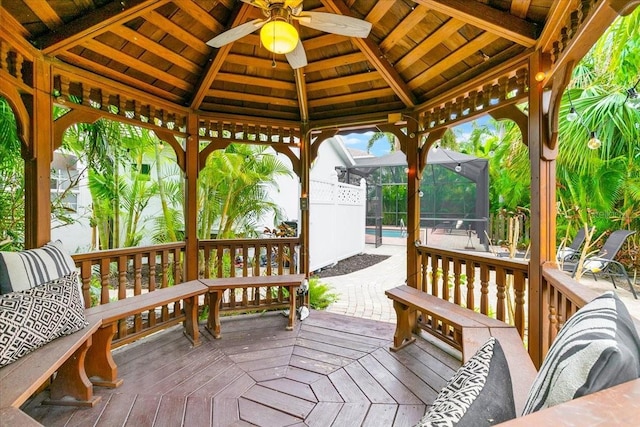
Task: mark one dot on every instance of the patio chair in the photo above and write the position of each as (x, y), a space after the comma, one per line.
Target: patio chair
(603, 263)
(572, 252)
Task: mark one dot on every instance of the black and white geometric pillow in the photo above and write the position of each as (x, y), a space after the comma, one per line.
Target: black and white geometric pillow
(23, 270)
(30, 319)
(479, 394)
(597, 348)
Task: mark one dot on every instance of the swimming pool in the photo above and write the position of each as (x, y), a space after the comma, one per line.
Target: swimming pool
(388, 232)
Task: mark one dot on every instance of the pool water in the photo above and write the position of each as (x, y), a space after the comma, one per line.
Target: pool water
(388, 232)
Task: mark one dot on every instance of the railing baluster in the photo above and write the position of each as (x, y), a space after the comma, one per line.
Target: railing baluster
(501, 284)
(457, 268)
(434, 275)
(122, 276)
(519, 287)
(484, 289)
(104, 280)
(445, 278)
(471, 279)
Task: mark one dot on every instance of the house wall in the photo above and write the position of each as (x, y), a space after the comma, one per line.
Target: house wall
(337, 221)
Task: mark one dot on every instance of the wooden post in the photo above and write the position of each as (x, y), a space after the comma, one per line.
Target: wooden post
(38, 161)
(543, 209)
(191, 200)
(413, 201)
(305, 166)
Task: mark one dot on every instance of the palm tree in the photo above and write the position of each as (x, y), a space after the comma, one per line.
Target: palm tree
(234, 188)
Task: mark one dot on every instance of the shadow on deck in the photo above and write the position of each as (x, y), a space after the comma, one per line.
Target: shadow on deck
(331, 370)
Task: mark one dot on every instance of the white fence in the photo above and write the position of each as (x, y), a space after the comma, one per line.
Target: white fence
(337, 222)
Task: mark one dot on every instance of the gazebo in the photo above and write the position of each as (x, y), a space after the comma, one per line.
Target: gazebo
(422, 67)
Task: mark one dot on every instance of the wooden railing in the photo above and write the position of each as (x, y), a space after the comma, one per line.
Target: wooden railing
(117, 274)
(499, 288)
(492, 286)
(248, 257)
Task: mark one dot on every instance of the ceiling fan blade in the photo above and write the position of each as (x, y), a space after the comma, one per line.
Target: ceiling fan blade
(297, 57)
(336, 24)
(236, 33)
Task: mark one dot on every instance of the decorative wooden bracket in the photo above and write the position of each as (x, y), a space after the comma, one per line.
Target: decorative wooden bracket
(560, 82)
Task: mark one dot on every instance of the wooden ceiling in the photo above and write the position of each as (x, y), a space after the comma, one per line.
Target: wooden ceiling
(416, 51)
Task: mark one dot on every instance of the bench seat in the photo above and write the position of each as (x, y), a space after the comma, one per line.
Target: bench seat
(464, 330)
(66, 355)
(218, 286)
(100, 366)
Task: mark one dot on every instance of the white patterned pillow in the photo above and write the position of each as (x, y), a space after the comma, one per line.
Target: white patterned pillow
(596, 349)
(29, 319)
(479, 394)
(23, 270)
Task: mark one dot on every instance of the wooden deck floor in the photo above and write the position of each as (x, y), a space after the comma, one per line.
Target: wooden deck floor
(331, 370)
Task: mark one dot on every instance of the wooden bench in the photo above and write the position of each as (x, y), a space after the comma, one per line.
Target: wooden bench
(217, 287)
(99, 365)
(66, 356)
(464, 330)
(83, 359)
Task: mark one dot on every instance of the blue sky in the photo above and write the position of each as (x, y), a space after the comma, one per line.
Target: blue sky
(381, 147)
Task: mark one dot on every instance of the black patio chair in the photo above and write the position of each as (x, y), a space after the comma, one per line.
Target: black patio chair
(572, 252)
(603, 263)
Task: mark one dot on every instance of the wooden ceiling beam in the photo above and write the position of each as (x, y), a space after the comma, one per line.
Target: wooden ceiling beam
(324, 40)
(520, 8)
(376, 57)
(252, 61)
(249, 97)
(158, 50)
(94, 23)
(352, 97)
(217, 58)
(425, 46)
(502, 24)
(200, 15)
(45, 12)
(337, 61)
(415, 17)
(256, 81)
(379, 11)
(177, 32)
(343, 81)
(136, 64)
(454, 58)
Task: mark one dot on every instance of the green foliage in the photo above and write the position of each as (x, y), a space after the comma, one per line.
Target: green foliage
(234, 191)
(11, 182)
(320, 295)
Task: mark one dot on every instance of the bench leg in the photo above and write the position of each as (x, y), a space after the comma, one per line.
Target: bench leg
(405, 324)
(191, 320)
(99, 364)
(71, 386)
(292, 308)
(213, 322)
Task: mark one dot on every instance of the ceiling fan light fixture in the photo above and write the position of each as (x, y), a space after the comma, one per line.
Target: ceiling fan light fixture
(279, 36)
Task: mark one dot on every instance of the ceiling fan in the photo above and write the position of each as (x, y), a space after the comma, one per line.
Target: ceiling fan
(278, 35)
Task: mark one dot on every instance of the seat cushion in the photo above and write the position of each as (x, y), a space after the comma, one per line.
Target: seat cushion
(479, 394)
(29, 319)
(597, 348)
(23, 270)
